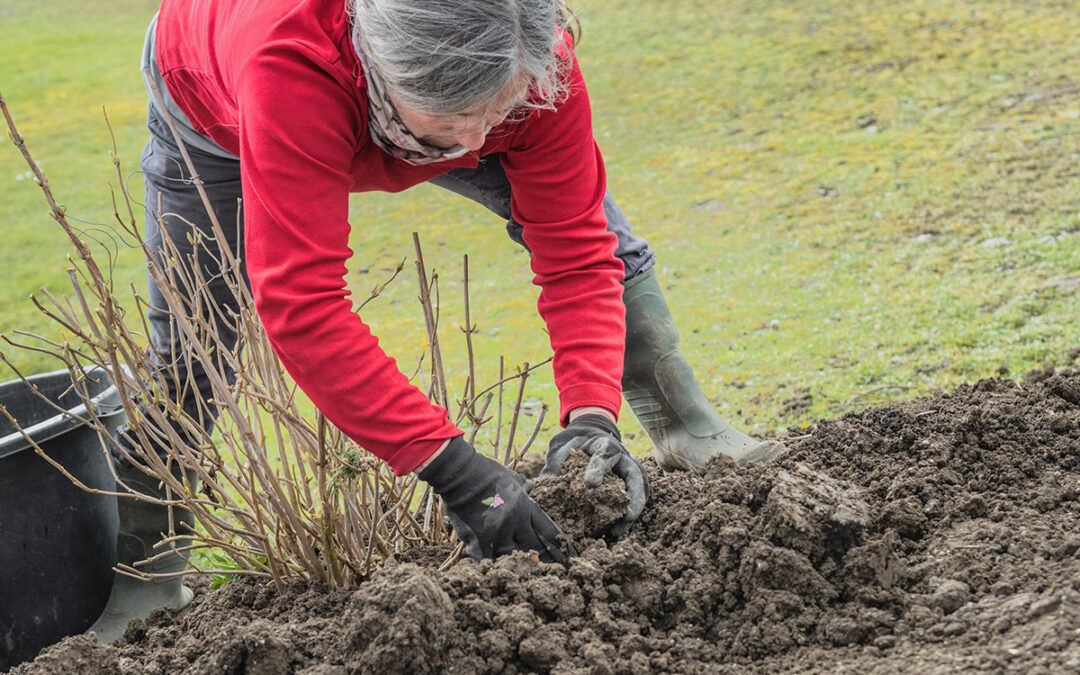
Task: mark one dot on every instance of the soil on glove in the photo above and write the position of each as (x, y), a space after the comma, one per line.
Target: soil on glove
(935, 535)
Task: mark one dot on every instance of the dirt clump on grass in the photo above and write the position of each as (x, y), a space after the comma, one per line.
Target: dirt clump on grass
(940, 534)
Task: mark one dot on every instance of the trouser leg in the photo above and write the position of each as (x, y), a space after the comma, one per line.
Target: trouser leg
(488, 185)
(179, 235)
(657, 382)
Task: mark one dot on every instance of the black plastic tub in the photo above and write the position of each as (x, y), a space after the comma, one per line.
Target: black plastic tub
(57, 542)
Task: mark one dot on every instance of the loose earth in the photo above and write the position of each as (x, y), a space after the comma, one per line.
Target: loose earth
(935, 535)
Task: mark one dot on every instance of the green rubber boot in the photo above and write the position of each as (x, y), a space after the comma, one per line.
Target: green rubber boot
(661, 389)
(142, 525)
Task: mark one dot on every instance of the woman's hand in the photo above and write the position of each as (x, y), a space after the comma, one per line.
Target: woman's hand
(488, 506)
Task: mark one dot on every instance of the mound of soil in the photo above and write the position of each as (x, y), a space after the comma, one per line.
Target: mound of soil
(936, 535)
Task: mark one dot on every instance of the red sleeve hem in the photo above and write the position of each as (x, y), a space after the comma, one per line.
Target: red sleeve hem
(608, 398)
(405, 460)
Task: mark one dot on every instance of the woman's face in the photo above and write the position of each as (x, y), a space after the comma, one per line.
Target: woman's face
(468, 130)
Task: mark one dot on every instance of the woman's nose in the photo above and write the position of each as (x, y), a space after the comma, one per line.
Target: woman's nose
(473, 140)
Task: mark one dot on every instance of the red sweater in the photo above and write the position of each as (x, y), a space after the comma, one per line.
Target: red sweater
(277, 83)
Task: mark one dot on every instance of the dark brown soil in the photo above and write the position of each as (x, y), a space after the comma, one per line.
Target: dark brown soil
(935, 535)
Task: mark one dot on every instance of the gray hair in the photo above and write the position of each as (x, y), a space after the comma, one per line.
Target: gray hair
(445, 57)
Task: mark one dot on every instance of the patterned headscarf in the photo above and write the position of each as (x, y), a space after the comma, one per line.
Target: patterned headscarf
(388, 131)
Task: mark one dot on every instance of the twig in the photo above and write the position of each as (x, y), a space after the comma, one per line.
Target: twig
(429, 321)
(470, 328)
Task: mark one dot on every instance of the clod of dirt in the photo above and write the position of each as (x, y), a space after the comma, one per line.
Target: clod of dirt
(401, 620)
(583, 513)
(908, 516)
(530, 465)
(1036, 375)
(79, 655)
(951, 595)
(1066, 388)
(809, 512)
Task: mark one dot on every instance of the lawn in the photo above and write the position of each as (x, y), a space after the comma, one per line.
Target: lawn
(851, 202)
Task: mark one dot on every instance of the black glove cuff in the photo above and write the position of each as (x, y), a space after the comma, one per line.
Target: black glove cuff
(597, 422)
(445, 469)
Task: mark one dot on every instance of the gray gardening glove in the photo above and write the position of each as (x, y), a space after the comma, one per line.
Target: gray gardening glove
(598, 437)
(488, 507)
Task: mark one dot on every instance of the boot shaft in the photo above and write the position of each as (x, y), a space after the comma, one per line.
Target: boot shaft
(143, 523)
(650, 328)
(661, 388)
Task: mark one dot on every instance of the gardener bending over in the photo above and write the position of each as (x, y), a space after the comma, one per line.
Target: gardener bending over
(295, 104)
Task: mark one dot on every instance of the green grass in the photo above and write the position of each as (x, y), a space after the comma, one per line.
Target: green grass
(60, 64)
(851, 201)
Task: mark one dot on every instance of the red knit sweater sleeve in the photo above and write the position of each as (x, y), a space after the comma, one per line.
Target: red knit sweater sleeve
(296, 152)
(557, 176)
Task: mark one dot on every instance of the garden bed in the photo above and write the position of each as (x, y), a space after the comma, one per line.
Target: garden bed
(940, 534)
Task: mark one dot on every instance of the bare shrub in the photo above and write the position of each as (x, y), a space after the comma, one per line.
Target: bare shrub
(282, 492)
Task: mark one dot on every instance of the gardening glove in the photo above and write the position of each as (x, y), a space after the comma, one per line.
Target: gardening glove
(488, 507)
(598, 437)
